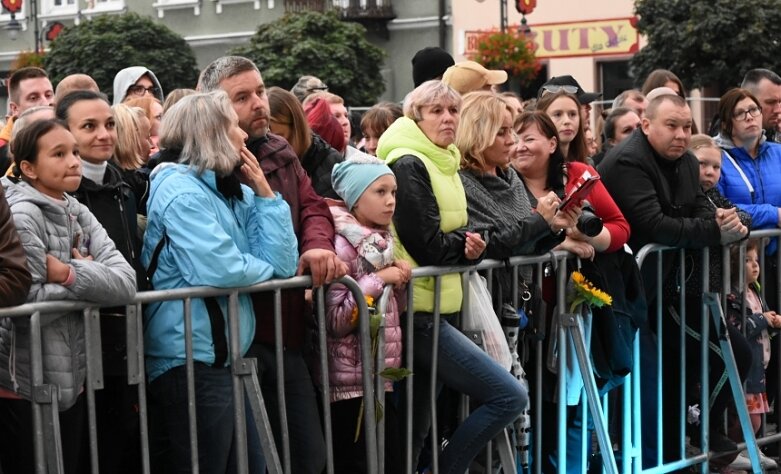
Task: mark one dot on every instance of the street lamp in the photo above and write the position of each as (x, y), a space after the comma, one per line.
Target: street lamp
(13, 27)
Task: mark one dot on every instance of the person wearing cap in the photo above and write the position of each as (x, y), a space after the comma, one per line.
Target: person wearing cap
(306, 86)
(469, 76)
(364, 241)
(569, 84)
(430, 63)
(564, 110)
(136, 81)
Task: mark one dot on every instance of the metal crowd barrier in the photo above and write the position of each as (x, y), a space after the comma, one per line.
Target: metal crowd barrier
(48, 455)
(48, 450)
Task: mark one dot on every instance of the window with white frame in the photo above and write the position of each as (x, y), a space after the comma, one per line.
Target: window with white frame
(100, 6)
(56, 8)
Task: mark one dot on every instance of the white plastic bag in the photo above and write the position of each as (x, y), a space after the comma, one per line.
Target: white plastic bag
(481, 318)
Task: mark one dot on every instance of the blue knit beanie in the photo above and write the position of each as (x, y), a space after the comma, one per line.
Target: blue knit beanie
(350, 178)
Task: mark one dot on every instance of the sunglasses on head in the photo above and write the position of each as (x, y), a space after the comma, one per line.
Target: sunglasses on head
(554, 88)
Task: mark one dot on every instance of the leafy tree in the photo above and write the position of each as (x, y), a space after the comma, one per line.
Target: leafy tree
(321, 45)
(708, 42)
(106, 44)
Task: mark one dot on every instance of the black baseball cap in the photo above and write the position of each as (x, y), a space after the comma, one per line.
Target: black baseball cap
(568, 84)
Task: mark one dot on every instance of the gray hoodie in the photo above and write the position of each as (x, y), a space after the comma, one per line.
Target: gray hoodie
(127, 77)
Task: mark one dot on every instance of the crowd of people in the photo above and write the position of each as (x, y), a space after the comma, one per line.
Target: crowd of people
(235, 182)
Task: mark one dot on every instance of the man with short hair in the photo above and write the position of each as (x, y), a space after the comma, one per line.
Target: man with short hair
(633, 99)
(654, 180)
(314, 227)
(74, 82)
(766, 87)
(27, 87)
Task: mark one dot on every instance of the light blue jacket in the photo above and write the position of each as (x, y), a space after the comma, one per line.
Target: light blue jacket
(211, 242)
(763, 173)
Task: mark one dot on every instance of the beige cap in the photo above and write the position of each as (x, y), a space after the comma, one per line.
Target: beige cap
(469, 76)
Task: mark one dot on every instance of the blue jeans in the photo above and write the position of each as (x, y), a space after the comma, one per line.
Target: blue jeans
(464, 367)
(214, 417)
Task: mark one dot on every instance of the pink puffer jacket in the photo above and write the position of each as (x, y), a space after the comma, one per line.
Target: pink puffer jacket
(343, 344)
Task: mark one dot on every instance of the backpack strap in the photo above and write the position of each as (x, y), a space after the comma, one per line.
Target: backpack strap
(216, 318)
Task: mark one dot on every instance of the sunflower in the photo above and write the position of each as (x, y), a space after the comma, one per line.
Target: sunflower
(586, 292)
(369, 303)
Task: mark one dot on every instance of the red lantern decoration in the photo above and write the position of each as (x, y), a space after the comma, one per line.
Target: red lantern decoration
(525, 7)
(12, 6)
(53, 30)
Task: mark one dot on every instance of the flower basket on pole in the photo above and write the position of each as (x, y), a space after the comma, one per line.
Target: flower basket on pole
(511, 50)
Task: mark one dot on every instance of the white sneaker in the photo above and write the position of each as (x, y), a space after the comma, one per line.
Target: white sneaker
(767, 462)
(741, 463)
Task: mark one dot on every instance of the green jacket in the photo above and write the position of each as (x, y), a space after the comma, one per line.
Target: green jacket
(404, 138)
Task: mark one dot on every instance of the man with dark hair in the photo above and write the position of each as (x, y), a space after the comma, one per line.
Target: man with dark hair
(654, 180)
(314, 227)
(27, 87)
(766, 87)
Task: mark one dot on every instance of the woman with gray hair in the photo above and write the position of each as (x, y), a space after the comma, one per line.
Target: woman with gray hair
(205, 228)
(431, 222)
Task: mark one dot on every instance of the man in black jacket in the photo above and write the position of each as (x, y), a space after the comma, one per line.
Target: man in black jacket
(654, 180)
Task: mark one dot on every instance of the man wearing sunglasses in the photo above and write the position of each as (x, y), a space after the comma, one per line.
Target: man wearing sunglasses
(136, 81)
(569, 84)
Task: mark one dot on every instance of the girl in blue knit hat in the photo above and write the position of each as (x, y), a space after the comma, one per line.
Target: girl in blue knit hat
(363, 240)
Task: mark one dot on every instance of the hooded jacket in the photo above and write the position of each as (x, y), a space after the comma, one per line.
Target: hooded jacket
(210, 241)
(314, 228)
(127, 77)
(431, 210)
(343, 340)
(47, 227)
(764, 179)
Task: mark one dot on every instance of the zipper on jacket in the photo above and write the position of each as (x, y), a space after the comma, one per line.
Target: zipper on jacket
(118, 196)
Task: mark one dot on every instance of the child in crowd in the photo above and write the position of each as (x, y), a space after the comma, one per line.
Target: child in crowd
(374, 123)
(70, 257)
(364, 242)
(758, 321)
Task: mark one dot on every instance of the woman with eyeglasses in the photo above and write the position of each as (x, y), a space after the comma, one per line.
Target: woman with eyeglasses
(563, 108)
(317, 157)
(751, 165)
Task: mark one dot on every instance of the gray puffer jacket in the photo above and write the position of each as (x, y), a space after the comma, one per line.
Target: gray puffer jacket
(50, 227)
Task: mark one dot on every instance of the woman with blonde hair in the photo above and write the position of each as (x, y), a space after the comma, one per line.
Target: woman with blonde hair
(153, 109)
(133, 137)
(495, 194)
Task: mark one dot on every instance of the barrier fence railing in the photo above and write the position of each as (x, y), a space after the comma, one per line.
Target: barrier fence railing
(48, 454)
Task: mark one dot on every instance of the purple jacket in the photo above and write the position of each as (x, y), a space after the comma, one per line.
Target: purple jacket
(343, 343)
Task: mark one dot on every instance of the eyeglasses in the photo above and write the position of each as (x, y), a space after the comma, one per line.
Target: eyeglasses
(744, 114)
(140, 90)
(554, 88)
(317, 89)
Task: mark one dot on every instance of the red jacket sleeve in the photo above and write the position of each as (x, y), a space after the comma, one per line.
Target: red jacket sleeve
(317, 224)
(603, 205)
